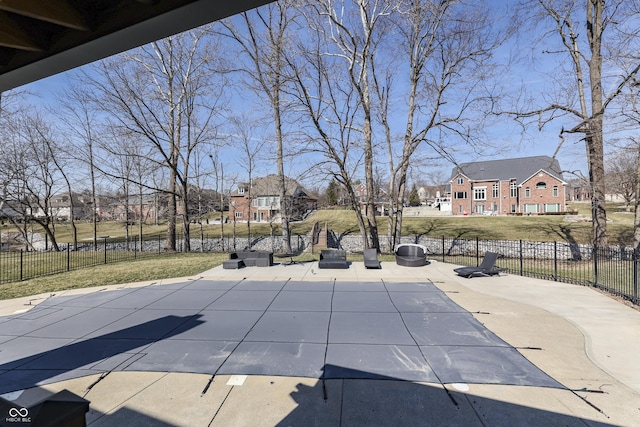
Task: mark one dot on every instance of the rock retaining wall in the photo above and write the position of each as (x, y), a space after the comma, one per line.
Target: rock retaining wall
(354, 244)
(506, 248)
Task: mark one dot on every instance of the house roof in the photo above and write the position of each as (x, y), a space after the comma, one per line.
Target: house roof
(270, 186)
(519, 169)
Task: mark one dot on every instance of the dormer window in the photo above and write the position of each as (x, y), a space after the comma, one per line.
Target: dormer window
(241, 190)
(541, 185)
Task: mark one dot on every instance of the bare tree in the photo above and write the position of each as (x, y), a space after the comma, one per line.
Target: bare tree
(252, 153)
(630, 154)
(30, 174)
(579, 30)
(622, 174)
(330, 107)
(218, 171)
(80, 121)
(356, 34)
(164, 94)
(446, 46)
(264, 40)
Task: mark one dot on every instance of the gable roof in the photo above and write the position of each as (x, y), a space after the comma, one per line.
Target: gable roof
(519, 169)
(538, 172)
(270, 186)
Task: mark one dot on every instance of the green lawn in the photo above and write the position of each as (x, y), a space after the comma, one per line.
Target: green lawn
(541, 228)
(533, 228)
(160, 267)
(156, 268)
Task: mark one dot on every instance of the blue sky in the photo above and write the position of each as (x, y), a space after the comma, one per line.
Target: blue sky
(508, 139)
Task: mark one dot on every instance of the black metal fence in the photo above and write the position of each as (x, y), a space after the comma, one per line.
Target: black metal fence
(614, 269)
(22, 265)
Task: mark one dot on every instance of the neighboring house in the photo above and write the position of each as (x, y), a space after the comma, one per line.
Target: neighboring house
(60, 207)
(265, 203)
(133, 209)
(428, 194)
(381, 200)
(525, 185)
(7, 211)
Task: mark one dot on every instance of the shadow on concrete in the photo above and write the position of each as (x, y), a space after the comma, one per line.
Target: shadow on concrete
(126, 417)
(386, 401)
(85, 355)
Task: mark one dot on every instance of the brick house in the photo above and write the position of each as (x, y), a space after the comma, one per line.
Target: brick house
(60, 206)
(134, 209)
(527, 185)
(265, 204)
(381, 200)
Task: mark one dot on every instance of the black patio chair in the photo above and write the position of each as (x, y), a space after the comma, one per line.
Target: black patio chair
(486, 268)
(371, 258)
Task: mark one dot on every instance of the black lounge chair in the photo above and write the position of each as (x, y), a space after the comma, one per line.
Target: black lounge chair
(333, 258)
(411, 255)
(487, 268)
(248, 258)
(371, 258)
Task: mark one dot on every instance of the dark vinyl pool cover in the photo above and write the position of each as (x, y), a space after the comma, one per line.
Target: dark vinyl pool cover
(406, 331)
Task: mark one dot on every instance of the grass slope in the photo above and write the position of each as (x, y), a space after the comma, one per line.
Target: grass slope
(161, 267)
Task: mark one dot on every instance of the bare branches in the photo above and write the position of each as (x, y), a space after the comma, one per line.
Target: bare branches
(580, 31)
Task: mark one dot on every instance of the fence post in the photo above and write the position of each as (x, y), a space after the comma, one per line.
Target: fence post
(595, 265)
(443, 248)
(521, 260)
(555, 261)
(477, 251)
(21, 264)
(105, 250)
(68, 258)
(635, 276)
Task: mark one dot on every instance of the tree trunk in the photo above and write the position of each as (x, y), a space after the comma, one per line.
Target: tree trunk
(374, 241)
(594, 138)
(186, 219)
(284, 213)
(636, 216)
(170, 244)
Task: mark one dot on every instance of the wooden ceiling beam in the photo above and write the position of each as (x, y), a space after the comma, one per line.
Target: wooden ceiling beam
(11, 35)
(58, 12)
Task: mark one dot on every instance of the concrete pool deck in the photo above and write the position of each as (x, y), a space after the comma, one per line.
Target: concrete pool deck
(584, 340)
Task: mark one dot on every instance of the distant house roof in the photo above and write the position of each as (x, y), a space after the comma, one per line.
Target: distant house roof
(270, 186)
(8, 212)
(506, 169)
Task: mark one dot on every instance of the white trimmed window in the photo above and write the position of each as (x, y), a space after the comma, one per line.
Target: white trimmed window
(555, 191)
(552, 207)
(527, 192)
(460, 181)
(480, 193)
(514, 189)
(494, 192)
